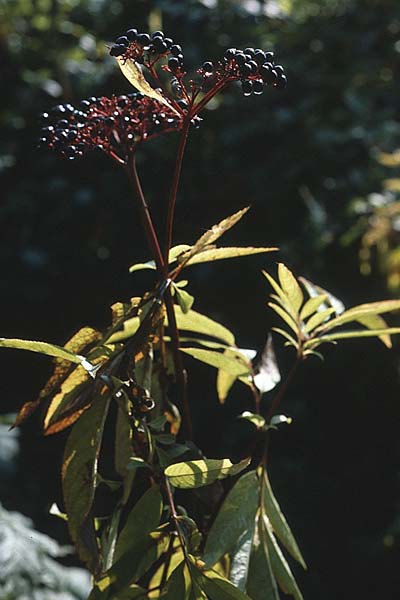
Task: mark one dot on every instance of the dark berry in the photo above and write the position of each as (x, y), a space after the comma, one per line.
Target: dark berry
(279, 69)
(240, 58)
(131, 34)
(247, 87)
(281, 82)
(122, 40)
(157, 34)
(143, 39)
(169, 42)
(118, 50)
(250, 51)
(109, 121)
(245, 70)
(72, 135)
(176, 49)
(45, 116)
(85, 103)
(43, 141)
(174, 63)
(160, 45)
(265, 72)
(254, 66)
(208, 67)
(180, 58)
(230, 53)
(139, 59)
(69, 108)
(269, 56)
(182, 103)
(58, 109)
(258, 87)
(259, 57)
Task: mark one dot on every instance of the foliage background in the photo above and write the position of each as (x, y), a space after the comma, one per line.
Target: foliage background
(301, 157)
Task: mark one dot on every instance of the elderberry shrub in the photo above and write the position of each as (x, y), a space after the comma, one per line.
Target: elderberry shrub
(117, 124)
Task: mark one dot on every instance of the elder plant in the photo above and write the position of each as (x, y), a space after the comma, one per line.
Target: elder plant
(132, 379)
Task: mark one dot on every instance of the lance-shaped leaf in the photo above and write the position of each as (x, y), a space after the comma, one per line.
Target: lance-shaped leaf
(197, 473)
(41, 348)
(174, 253)
(279, 565)
(184, 299)
(360, 312)
(315, 291)
(290, 286)
(318, 318)
(235, 517)
(79, 473)
(376, 322)
(294, 326)
(261, 583)
(134, 75)
(312, 305)
(266, 372)
(278, 522)
(214, 585)
(225, 381)
(234, 363)
(212, 254)
(198, 323)
(179, 584)
(213, 234)
(342, 335)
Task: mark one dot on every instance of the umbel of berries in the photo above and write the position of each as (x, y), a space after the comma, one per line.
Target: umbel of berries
(168, 98)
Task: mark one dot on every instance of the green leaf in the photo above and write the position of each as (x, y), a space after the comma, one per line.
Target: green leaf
(225, 381)
(211, 254)
(261, 584)
(41, 348)
(312, 305)
(341, 335)
(280, 567)
(79, 474)
(235, 517)
(213, 234)
(150, 264)
(197, 473)
(236, 365)
(134, 75)
(376, 322)
(214, 585)
(361, 311)
(290, 286)
(132, 592)
(278, 521)
(257, 420)
(317, 319)
(178, 586)
(198, 323)
(314, 291)
(281, 297)
(184, 299)
(286, 335)
(240, 561)
(285, 316)
(266, 372)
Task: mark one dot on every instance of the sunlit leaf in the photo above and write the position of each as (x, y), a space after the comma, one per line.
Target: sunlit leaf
(266, 371)
(134, 75)
(211, 254)
(257, 420)
(280, 567)
(197, 473)
(69, 390)
(214, 585)
(235, 517)
(278, 419)
(376, 322)
(225, 381)
(179, 586)
(312, 305)
(279, 523)
(184, 299)
(41, 348)
(282, 297)
(362, 311)
(235, 363)
(315, 290)
(342, 335)
(286, 335)
(79, 474)
(150, 265)
(198, 323)
(285, 316)
(289, 285)
(318, 318)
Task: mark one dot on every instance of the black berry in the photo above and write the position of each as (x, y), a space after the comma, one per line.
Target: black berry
(143, 39)
(122, 40)
(258, 87)
(208, 67)
(176, 49)
(247, 87)
(131, 34)
(174, 63)
(118, 50)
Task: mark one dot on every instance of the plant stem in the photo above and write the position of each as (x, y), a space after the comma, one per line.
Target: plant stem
(281, 392)
(174, 187)
(175, 517)
(145, 216)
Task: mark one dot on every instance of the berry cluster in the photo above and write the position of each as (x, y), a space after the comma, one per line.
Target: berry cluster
(255, 68)
(113, 125)
(147, 50)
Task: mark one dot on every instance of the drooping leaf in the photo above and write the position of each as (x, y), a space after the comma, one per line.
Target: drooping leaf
(41, 348)
(318, 318)
(290, 286)
(312, 305)
(241, 559)
(179, 586)
(211, 254)
(225, 381)
(214, 585)
(257, 420)
(235, 364)
(198, 323)
(376, 322)
(314, 291)
(150, 264)
(266, 372)
(280, 567)
(79, 472)
(134, 75)
(70, 388)
(184, 299)
(197, 473)
(279, 523)
(236, 516)
(261, 584)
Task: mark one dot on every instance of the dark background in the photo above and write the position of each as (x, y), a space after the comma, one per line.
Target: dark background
(69, 232)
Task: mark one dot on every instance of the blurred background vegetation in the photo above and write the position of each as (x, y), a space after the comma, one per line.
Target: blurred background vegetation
(318, 162)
